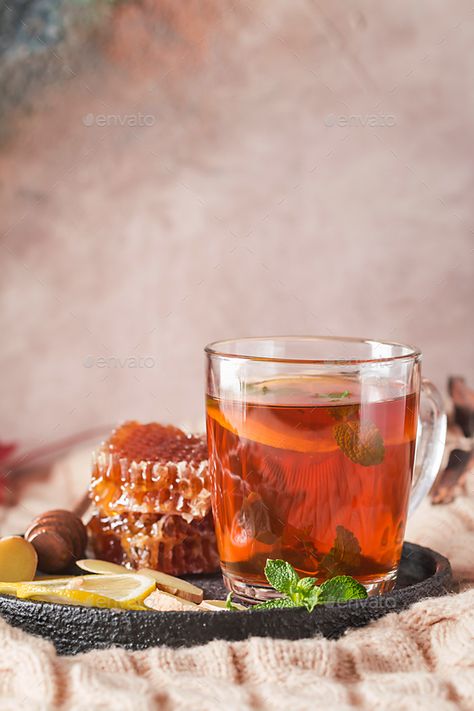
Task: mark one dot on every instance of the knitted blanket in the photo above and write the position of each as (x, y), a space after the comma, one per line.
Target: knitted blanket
(422, 658)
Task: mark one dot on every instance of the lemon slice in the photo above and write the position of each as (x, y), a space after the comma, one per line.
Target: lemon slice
(278, 436)
(126, 591)
(168, 583)
(8, 588)
(70, 597)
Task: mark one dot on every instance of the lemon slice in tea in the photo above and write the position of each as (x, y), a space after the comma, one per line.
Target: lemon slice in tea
(278, 435)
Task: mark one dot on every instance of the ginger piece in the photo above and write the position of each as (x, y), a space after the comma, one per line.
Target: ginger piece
(18, 560)
(165, 602)
(101, 567)
(174, 586)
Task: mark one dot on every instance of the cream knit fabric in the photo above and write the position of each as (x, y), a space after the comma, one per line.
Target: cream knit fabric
(422, 658)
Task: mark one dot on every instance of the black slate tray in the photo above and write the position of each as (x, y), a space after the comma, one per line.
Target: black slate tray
(423, 573)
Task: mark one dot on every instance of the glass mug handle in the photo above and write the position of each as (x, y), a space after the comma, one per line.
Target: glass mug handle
(430, 442)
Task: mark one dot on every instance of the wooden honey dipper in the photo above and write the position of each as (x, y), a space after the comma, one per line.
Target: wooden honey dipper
(59, 538)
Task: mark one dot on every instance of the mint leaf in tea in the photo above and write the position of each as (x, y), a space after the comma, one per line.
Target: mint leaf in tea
(344, 555)
(292, 469)
(361, 443)
(333, 396)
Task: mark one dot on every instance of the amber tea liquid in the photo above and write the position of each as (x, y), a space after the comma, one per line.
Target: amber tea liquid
(316, 472)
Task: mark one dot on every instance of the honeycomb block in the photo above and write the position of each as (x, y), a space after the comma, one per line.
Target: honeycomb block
(151, 489)
(151, 469)
(162, 542)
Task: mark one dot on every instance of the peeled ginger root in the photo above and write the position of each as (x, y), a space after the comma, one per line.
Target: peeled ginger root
(18, 560)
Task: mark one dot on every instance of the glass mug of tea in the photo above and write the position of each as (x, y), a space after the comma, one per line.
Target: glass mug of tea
(318, 449)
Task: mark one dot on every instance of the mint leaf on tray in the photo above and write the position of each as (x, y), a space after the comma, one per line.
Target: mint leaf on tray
(276, 603)
(340, 589)
(281, 575)
(228, 602)
(312, 598)
(306, 584)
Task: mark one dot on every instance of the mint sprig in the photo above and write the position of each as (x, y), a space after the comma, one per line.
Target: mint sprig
(303, 592)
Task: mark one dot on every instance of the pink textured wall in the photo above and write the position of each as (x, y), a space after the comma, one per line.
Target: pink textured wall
(300, 167)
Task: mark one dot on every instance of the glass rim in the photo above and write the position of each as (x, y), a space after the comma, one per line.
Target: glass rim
(218, 348)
